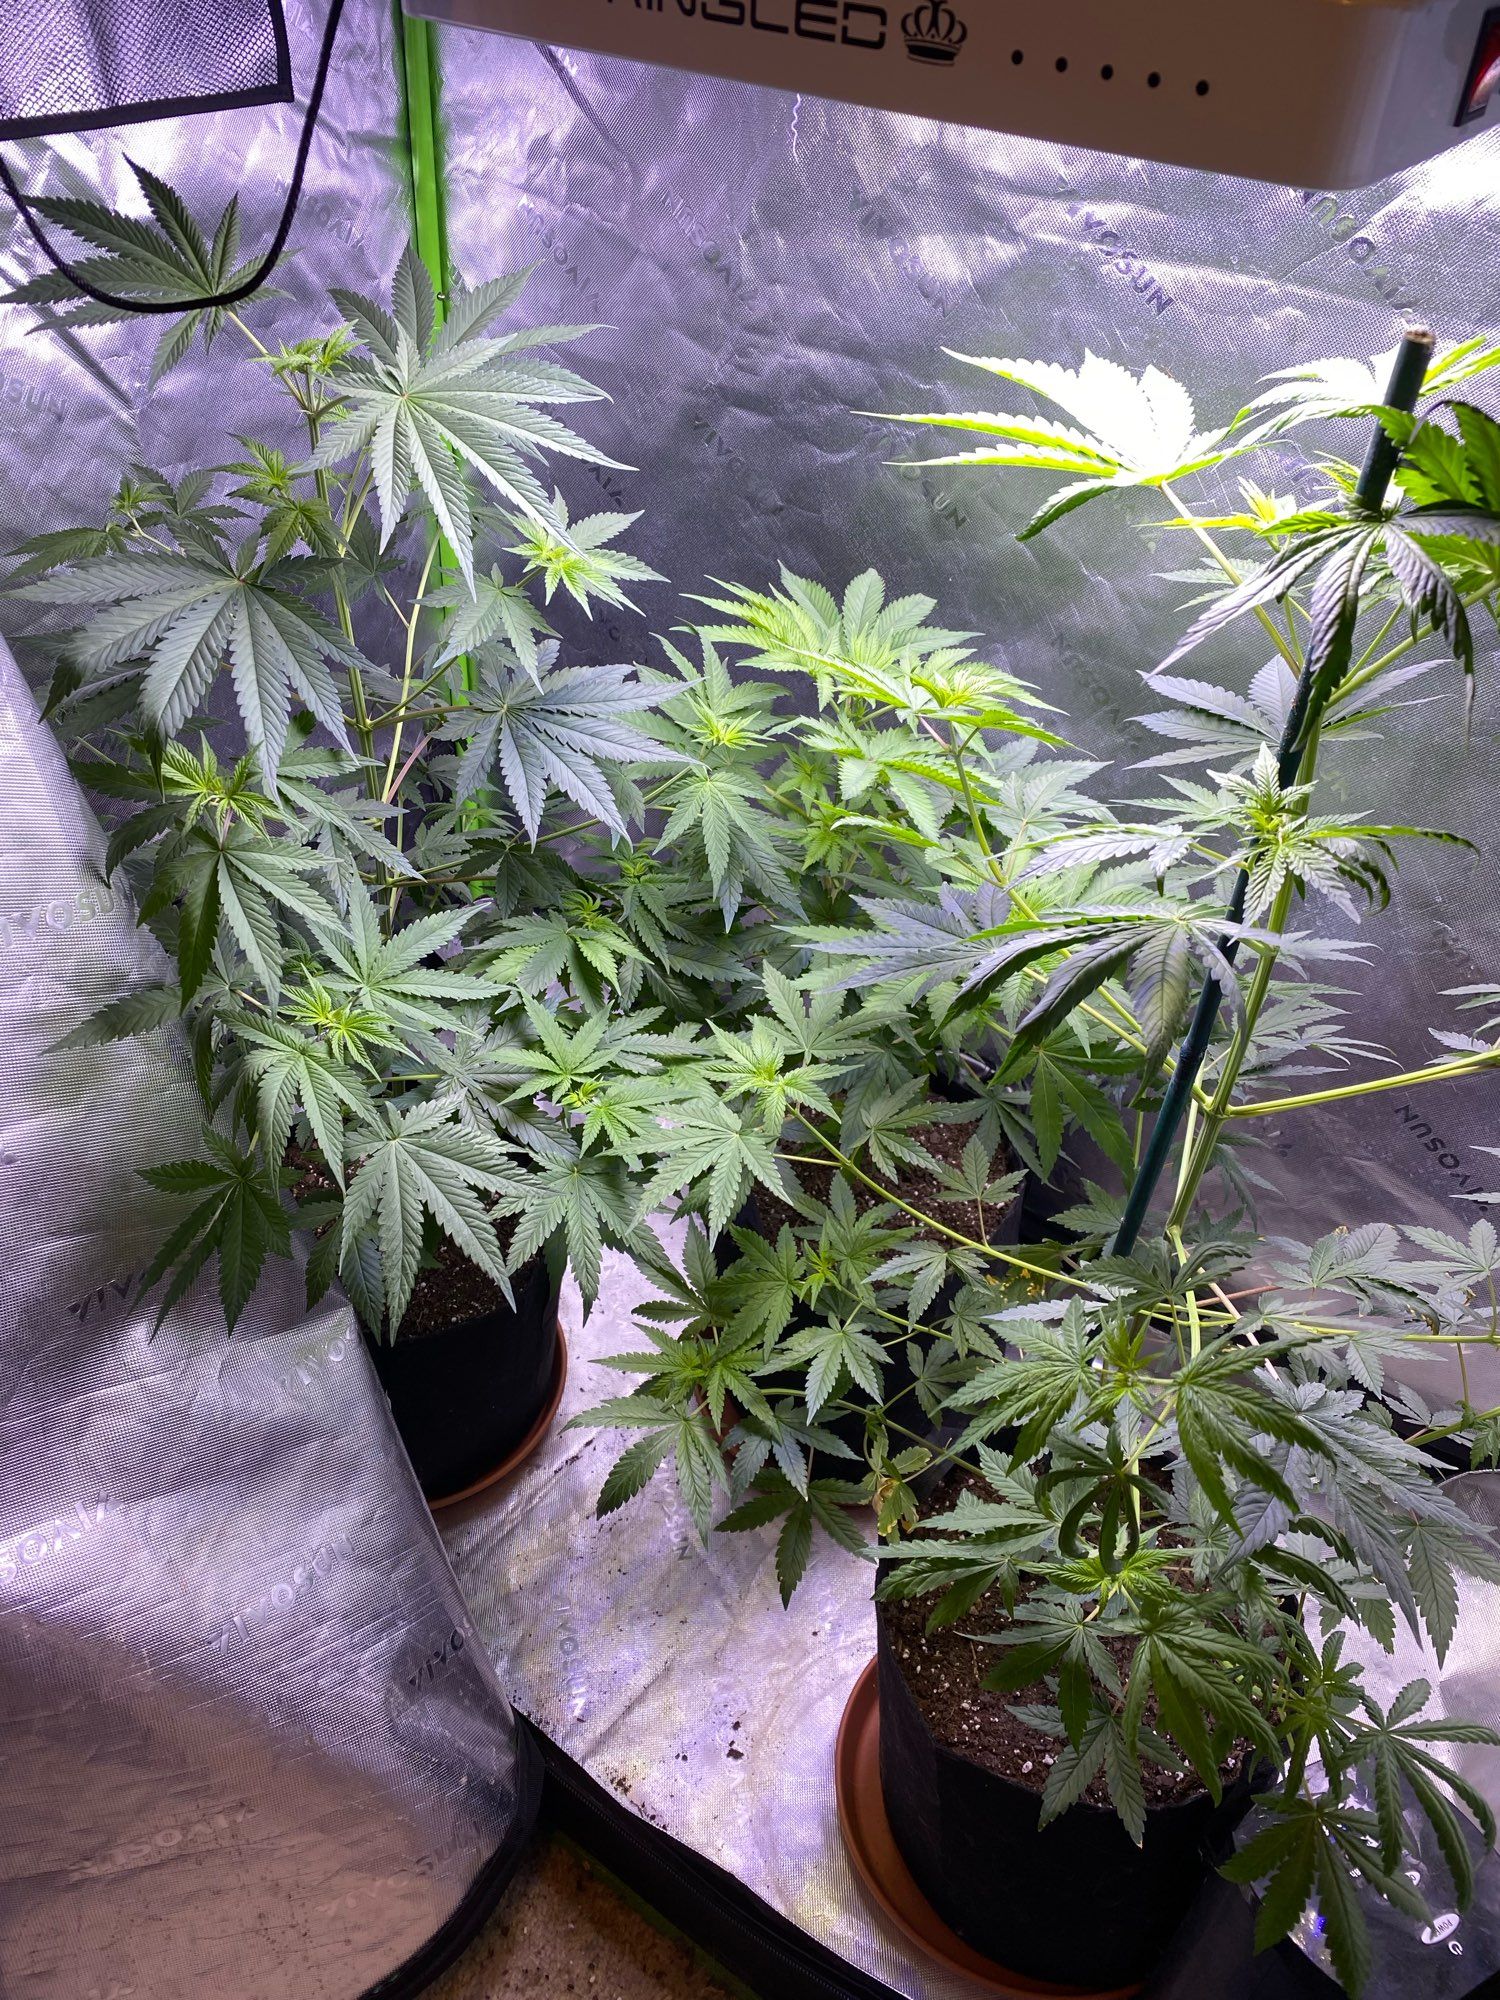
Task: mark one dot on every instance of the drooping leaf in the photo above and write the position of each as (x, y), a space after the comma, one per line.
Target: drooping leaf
(236, 1217)
(188, 615)
(418, 1164)
(134, 1014)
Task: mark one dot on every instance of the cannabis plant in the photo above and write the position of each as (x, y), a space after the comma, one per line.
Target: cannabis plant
(897, 770)
(435, 985)
(1191, 1464)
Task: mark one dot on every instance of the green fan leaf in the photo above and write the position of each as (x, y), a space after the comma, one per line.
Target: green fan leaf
(237, 1217)
(554, 732)
(428, 406)
(135, 1014)
(417, 1165)
(151, 262)
(187, 615)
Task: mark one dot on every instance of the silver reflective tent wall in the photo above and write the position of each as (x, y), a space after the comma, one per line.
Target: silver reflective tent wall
(207, 1618)
(226, 1763)
(770, 264)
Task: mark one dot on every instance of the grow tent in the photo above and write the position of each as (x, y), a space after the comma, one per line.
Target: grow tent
(763, 265)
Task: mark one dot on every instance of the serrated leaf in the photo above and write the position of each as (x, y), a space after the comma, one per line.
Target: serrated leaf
(633, 1471)
(555, 731)
(239, 1220)
(433, 406)
(185, 615)
(418, 1165)
(793, 1549)
(156, 262)
(135, 1014)
(1434, 1586)
(1074, 1769)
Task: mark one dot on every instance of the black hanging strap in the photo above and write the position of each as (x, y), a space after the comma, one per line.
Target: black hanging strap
(278, 242)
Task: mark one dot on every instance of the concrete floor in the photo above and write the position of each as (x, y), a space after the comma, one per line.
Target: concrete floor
(562, 1930)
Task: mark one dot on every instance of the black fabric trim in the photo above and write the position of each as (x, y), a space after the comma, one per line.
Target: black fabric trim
(142, 114)
(279, 92)
(745, 1935)
(278, 242)
(1213, 1953)
(446, 1946)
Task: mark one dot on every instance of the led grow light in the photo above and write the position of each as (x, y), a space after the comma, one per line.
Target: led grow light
(1321, 93)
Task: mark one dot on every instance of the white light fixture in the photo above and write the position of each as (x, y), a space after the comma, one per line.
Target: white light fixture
(1316, 93)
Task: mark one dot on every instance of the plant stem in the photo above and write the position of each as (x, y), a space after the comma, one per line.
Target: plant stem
(1465, 1423)
(1353, 682)
(1380, 637)
(395, 773)
(404, 772)
(403, 710)
(407, 673)
(1194, 1314)
(927, 1221)
(362, 727)
(1234, 574)
(956, 752)
(1341, 1330)
(963, 1464)
(1408, 1080)
(353, 511)
(254, 339)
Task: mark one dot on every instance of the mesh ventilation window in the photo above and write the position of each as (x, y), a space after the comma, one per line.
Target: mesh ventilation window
(73, 65)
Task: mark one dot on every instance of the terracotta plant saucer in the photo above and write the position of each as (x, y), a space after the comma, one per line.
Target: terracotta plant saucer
(530, 1444)
(878, 1863)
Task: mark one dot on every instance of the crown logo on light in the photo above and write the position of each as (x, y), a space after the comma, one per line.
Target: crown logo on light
(934, 33)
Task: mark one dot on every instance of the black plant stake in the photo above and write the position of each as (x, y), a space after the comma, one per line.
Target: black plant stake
(1313, 690)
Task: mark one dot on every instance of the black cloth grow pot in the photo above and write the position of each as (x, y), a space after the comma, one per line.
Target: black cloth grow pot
(1077, 1903)
(465, 1398)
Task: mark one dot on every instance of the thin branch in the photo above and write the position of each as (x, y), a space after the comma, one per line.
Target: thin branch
(1411, 1079)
